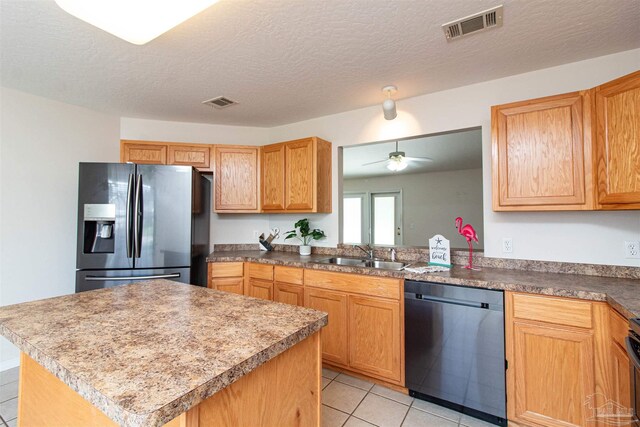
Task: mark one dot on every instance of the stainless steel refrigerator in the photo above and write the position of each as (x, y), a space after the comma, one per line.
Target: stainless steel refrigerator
(141, 222)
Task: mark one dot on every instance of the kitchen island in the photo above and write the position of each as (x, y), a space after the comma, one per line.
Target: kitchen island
(160, 353)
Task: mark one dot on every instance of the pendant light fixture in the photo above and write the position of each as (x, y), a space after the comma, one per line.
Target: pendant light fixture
(136, 21)
(389, 105)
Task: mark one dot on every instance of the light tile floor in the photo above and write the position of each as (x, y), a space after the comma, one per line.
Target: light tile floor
(346, 402)
(352, 402)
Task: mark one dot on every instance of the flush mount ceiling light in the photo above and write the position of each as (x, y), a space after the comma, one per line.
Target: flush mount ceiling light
(389, 105)
(136, 21)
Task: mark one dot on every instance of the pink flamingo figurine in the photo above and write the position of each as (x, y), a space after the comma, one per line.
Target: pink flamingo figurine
(470, 234)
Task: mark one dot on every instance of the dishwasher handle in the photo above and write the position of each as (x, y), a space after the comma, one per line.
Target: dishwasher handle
(442, 300)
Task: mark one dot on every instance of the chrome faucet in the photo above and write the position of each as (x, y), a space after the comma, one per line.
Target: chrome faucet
(368, 251)
(393, 254)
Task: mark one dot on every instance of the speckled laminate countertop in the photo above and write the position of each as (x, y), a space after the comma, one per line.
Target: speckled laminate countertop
(622, 294)
(145, 353)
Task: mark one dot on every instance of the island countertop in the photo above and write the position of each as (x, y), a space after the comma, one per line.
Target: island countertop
(621, 293)
(147, 352)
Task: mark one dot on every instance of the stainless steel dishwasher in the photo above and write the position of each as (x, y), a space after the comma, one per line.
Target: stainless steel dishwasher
(454, 348)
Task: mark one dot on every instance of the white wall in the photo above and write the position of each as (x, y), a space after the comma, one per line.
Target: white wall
(431, 201)
(225, 228)
(41, 143)
(587, 237)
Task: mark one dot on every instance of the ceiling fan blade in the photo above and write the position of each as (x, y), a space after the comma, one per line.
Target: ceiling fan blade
(420, 159)
(373, 163)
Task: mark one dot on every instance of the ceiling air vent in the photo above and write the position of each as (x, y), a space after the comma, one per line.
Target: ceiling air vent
(490, 18)
(219, 102)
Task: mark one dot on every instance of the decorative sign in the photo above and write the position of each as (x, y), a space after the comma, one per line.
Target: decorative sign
(439, 251)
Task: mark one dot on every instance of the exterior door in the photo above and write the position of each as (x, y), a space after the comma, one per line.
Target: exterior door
(102, 194)
(386, 218)
(165, 214)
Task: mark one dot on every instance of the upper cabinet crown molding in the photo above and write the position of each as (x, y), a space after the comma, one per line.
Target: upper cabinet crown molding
(296, 176)
(547, 155)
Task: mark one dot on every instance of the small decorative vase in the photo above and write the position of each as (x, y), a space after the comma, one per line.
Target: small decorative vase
(305, 250)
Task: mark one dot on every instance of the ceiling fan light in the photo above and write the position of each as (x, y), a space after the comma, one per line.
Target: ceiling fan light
(397, 163)
(389, 109)
(136, 21)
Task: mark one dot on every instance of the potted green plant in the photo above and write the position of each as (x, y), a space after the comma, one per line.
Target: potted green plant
(303, 232)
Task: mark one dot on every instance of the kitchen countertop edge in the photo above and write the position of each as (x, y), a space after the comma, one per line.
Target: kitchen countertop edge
(311, 262)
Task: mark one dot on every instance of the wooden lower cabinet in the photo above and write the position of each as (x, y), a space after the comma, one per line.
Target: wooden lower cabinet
(226, 276)
(288, 294)
(334, 335)
(228, 284)
(553, 371)
(374, 336)
(259, 289)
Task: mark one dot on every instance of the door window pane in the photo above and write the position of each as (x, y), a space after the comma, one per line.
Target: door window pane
(352, 221)
(384, 220)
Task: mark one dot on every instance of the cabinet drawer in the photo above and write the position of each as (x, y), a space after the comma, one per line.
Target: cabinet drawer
(228, 284)
(291, 275)
(261, 271)
(619, 327)
(562, 311)
(226, 269)
(353, 283)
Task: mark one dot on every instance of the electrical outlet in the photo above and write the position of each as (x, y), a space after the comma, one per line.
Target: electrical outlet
(256, 234)
(507, 245)
(632, 249)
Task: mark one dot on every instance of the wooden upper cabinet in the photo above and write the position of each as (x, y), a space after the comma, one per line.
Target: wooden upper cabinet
(143, 152)
(273, 177)
(166, 153)
(618, 143)
(190, 155)
(296, 176)
(236, 177)
(541, 153)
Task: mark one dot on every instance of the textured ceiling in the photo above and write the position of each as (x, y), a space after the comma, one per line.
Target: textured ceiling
(451, 151)
(290, 60)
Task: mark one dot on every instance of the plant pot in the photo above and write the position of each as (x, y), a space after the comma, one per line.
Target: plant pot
(305, 250)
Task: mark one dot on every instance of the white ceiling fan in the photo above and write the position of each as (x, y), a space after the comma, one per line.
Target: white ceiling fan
(398, 160)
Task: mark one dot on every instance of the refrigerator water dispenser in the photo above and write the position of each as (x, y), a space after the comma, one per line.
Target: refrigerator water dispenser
(99, 222)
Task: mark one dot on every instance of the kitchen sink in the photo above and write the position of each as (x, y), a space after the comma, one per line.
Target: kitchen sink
(371, 263)
(344, 261)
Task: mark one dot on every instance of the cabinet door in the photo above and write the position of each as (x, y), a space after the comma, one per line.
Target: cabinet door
(539, 149)
(621, 380)
(299, 177)
(190, 155)
(334, 335)
(618, 143)
(236, 179)
(259, 289)
(374, 336)
(288, 294)
(230, 284)
(553, 375)
(273, 177)
(136, 152)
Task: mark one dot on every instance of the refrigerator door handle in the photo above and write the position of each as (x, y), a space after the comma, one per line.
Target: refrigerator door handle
(129, 230)
(137, 219)
(109, 279)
